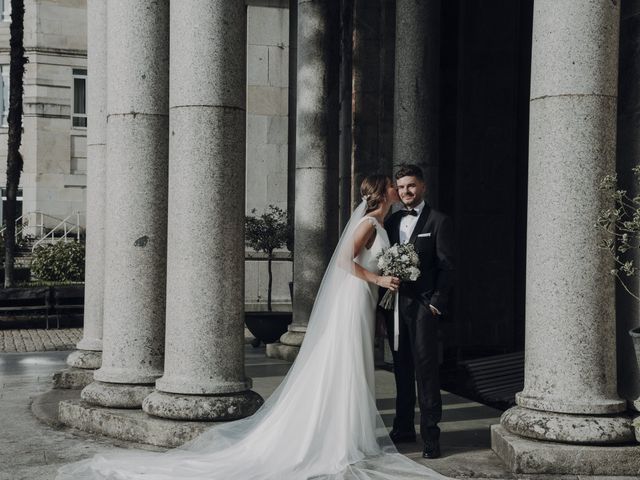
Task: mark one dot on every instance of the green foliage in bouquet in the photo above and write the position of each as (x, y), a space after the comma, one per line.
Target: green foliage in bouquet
(60, 262)
(266, 233)
(621, 227)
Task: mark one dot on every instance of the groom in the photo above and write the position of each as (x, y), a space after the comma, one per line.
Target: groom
(418, 307)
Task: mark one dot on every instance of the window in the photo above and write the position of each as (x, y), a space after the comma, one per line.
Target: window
(5, 5)
(79, 117)
(4, 98)
(3, 193)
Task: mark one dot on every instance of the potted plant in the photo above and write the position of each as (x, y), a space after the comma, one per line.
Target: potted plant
(620, 224)
(266, 233)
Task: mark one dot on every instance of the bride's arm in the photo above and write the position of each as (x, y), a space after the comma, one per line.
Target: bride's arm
(361, 238)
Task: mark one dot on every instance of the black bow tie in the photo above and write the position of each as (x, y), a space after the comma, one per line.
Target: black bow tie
(408, 212)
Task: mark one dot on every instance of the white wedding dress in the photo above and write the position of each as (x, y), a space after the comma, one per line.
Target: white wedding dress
(320, 423)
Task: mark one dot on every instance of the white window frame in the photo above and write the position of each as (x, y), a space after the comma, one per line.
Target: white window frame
(4, 97)
(78, 73)
(6, 10)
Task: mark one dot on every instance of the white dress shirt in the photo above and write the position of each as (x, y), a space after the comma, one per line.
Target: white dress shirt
(408, 223)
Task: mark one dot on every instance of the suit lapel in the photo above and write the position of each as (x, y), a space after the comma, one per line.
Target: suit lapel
(422, 219)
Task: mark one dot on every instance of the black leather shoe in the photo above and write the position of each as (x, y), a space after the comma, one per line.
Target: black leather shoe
(431, 450)
(398, 436)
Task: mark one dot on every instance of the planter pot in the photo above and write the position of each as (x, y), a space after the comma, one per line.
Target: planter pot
(267, 327)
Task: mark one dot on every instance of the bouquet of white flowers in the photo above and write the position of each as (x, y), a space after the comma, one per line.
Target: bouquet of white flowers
(399, 260)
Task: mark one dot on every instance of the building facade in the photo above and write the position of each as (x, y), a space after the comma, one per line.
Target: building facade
(54, 146)
(54, 141)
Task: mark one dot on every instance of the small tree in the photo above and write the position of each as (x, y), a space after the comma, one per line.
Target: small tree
(620, 224)
(266, 233)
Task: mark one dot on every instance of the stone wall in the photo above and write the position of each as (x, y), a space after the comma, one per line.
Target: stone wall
(267, 142)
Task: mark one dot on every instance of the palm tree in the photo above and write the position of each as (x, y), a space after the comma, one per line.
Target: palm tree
(14, 158)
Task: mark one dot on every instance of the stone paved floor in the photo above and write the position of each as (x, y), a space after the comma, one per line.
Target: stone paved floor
(39, 339)
(30, 450)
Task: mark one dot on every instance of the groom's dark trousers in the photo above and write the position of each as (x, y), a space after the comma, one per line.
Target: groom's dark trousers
(416, 360)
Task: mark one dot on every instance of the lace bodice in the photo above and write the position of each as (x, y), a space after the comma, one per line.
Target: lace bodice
(368, 256)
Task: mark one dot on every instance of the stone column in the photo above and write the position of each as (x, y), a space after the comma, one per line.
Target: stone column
(204, 354)
(136, 205)
(417, 64)
(316, 215)
(628, 155)
(387, 72)
(88, 354)
(570, 392)
(367, 90)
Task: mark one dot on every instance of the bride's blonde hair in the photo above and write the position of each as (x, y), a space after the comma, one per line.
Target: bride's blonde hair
(373, 189)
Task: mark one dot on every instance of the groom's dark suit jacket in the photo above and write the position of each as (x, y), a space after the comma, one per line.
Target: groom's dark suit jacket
(416, 360)
(433, 240)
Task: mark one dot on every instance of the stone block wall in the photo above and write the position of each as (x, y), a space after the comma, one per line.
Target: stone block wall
(267, 142)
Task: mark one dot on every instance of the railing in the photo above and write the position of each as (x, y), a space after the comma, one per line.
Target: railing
(18, 230)
(65, 228)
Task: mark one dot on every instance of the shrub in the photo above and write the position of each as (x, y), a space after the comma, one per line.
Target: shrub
(60, 262)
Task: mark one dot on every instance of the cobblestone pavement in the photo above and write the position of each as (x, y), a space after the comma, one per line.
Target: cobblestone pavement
(39, 339)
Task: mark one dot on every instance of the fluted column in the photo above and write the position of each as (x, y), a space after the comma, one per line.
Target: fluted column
(417, 64)
(204, 359)
(136, 206)
(88, 354)
(316, 213)
(570, 390)
(628, 156)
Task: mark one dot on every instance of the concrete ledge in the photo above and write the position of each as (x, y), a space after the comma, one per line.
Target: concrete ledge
(128, 425)
(72, 378)
(523, 455)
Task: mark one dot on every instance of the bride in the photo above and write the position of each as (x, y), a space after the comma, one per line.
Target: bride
(322, 421)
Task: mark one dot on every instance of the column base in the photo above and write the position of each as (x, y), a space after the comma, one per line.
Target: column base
(289, 345)
(72, 378)
(522, 455)
(222, 407)
(115, 395)
(566, 428)
(88, 359)
(282, 352)
(571, 405)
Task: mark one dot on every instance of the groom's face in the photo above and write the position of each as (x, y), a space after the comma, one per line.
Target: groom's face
(411, 190)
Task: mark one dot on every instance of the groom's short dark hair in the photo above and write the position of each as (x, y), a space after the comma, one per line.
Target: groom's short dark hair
(409, 170)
